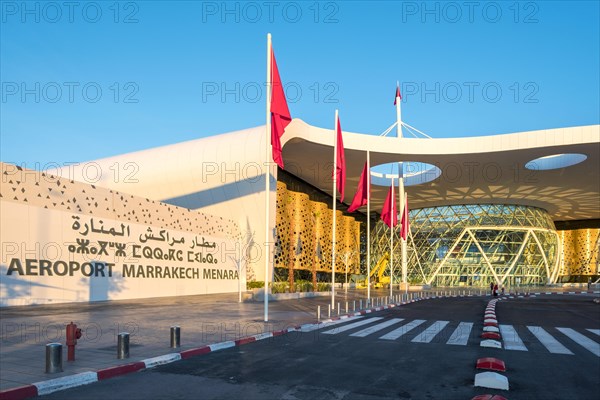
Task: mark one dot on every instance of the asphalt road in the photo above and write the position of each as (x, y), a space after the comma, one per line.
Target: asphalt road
(354, 363)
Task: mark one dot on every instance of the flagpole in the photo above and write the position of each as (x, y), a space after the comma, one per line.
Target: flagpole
(368, 227)
(334, 193)
(267, 180)
(392, 203)
(404, 258)
(398, 111)
(401, 184)
(392, 238)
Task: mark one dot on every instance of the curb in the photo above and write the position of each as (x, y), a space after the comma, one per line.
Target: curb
(71, 381)
(491, 339)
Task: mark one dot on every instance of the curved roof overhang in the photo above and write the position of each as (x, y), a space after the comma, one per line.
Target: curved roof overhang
(475, 170)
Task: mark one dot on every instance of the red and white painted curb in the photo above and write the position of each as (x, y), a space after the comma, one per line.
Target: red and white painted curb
(491, 338)
(84, 378)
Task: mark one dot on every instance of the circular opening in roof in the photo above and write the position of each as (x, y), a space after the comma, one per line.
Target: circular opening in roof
(414, 173)
(555, 161)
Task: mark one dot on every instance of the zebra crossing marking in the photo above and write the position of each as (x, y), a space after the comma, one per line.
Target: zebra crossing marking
(378, 327)
(512, 341)
(553, 345)
(428, 334)
(314, 327)
(344, 328)
(461, 334)
(582, 340)
(396, 333)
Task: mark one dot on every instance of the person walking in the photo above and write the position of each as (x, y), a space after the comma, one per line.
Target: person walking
(492, 287)
(495, 290)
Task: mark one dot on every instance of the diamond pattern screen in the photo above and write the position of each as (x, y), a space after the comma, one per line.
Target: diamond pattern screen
(473, 245)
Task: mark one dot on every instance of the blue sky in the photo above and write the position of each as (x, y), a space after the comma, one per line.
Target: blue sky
(95, 79)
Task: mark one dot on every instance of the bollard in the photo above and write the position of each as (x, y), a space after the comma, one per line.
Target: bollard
(328, 310)
(318, 313)
(360, 304)
(123, 345)
(353, 305)
(53, 358)
(346, 307)
(175, 337)
(338, 308)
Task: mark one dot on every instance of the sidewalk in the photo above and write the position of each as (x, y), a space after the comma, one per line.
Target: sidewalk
(204, 320)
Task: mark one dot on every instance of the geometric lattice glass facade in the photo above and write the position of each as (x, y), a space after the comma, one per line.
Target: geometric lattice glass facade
(477, 244)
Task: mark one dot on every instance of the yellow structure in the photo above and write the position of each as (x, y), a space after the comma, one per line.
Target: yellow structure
(580, 248)
(304, 235)
(379, 270)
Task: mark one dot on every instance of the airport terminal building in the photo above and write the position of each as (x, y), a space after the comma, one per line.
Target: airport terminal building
(190, 218)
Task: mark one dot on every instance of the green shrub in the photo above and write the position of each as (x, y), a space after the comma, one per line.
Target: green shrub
(280, 287)
(323, 287)
(303, 286)
(254, 285)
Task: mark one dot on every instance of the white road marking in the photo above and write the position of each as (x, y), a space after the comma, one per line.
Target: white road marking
(512, 341)
(344, 328)
(378, 327)
(314, 327)
(553, 345)
(396, 333)
(428, 334)
(582, 340)
(461, 334)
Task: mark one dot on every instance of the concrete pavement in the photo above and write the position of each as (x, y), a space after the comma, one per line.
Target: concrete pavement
(203, 320)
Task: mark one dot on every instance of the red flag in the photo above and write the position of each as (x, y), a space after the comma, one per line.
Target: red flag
(362, 191)
(280, 114)
(389, 215)
(341, 163)
(405, 223)
(398, 95)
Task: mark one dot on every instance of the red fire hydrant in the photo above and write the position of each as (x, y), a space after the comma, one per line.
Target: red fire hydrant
(73, 333)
